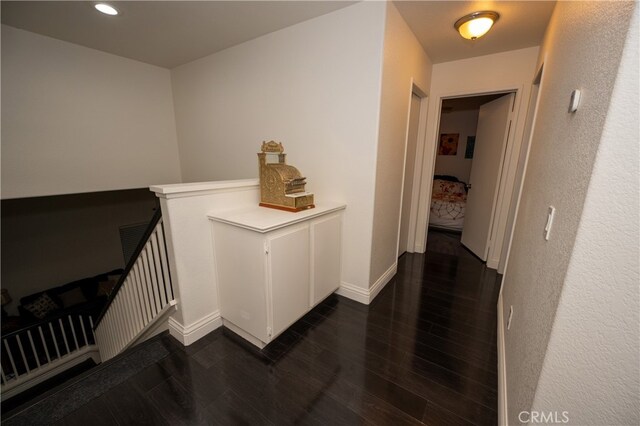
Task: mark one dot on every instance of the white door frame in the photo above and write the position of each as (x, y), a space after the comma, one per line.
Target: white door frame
(531, 116)
(417, 169)
(509, 168)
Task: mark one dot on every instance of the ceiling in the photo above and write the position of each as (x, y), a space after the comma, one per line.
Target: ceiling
(171, 33)
(163, 33)
(521, 24)
(468, 102)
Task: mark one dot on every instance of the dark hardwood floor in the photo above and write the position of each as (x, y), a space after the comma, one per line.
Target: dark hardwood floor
(424, 351)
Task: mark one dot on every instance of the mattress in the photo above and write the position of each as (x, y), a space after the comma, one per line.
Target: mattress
(447, 214)
(448, 201)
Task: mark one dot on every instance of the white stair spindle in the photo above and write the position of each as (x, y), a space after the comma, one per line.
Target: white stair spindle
(24, 357)
(13, 364)
(84, 332)
(165, 262)
(73, 333)
(44, 344)
(64, 336)
(53, 337)
(33, 348)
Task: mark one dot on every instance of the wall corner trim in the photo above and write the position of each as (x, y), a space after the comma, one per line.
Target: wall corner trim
(366, 296)
(193, 332)
(503, 418)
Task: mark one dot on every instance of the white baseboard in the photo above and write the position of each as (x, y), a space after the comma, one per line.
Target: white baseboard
(503, 418)
(363, 295)
(195, 331)
(353, 292)
(493, 263)
(246, 336)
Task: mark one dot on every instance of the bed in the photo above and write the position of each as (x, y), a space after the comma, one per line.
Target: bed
(448, 200)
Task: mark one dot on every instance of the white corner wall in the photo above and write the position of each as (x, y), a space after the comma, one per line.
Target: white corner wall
(315, 87)
(590, 370)
(465, 124)
(405, 65)
(483, 74)
(77, 120)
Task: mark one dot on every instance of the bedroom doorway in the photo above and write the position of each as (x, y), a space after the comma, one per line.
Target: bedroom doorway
(472, 137)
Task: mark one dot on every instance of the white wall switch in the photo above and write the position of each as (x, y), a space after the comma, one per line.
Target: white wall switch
(550, 215)
(575, 101)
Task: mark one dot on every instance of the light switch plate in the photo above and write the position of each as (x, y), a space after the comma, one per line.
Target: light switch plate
(551, 212)
(575, 100)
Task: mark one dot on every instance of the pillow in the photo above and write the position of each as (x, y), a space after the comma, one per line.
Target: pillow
(72, 297)
(42, 306)
(449, 188)
(105, 287)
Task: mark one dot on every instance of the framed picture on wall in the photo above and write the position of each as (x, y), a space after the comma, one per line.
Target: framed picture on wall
(448, 144)
(471, 144)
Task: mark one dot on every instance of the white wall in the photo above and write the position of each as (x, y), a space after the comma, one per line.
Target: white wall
(78, 120)
(405, 64)
(50, 241)
(575, 297)
(483, 74)
(315, 87)
(464, 123)
(190, 247)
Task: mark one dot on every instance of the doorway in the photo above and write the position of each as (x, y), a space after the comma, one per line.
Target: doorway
(473, 134)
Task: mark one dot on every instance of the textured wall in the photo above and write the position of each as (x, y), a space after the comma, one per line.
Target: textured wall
(582, 49)
(591, 368)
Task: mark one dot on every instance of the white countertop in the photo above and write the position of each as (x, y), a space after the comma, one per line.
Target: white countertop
(265, 219)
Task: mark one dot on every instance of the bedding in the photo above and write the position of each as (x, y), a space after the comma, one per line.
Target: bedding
(448, 201)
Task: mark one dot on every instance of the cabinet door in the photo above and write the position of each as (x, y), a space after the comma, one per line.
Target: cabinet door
(326, 240)
(241, 268)
(288, 276)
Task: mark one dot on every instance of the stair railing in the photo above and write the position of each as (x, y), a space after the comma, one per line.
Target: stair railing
(142, 296)
(39, 351)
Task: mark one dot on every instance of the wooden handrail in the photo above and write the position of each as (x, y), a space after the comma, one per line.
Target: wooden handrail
(132, 261)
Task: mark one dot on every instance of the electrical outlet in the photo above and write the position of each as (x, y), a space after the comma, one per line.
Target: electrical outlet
(510, 316)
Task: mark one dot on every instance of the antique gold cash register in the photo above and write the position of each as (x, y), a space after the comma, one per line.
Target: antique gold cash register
(281, 185)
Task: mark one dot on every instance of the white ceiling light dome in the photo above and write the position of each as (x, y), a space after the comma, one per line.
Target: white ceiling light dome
(476, 24)
(106, 9)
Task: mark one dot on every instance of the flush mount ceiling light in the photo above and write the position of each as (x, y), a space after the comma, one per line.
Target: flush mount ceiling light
(476, 24)
(106, 9)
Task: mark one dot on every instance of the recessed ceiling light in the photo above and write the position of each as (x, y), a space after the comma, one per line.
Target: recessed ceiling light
(106, 9)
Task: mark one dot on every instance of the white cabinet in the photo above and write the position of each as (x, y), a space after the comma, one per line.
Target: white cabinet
(287, 276)
(326, 240)
(272, 266)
